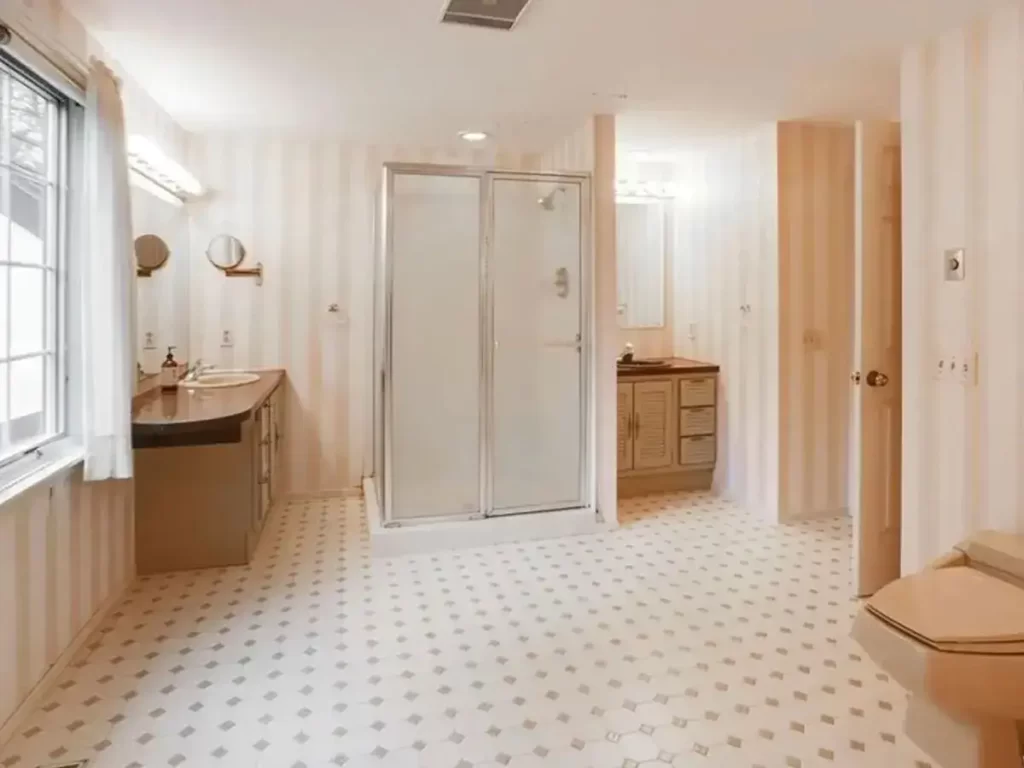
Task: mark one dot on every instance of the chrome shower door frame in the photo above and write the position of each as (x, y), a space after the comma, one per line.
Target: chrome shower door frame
(586, 481)
(383, 387)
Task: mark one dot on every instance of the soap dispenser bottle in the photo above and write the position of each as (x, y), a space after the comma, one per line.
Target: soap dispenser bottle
(169, 372)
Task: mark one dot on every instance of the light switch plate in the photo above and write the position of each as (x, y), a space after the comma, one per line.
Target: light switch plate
(954, 264)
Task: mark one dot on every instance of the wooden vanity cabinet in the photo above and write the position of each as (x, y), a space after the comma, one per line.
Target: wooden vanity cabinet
(204, 503)
(667, 427)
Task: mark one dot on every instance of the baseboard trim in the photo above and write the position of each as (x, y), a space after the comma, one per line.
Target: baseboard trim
(340, 493)
(824, 514)
(46, 683)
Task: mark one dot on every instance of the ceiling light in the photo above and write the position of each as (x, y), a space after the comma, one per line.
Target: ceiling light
(148, 160)
(474, 136)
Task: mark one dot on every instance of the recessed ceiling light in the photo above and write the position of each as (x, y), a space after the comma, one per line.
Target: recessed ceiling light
(473, 136)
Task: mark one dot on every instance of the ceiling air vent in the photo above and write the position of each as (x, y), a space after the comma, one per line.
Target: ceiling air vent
(492, 14)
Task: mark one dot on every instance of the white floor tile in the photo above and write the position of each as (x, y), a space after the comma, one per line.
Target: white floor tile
(696, 636)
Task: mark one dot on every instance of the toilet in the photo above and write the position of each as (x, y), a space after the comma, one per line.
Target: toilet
(953, 636)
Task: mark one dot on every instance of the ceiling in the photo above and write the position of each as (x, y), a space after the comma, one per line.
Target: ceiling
(387, 71)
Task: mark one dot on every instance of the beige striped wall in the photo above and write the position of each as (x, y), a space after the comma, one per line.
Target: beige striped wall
(305, 209)
(66, 551)
(816, 292)
(726, 245)
(963, 186)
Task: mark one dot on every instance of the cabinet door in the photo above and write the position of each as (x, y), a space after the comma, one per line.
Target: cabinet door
(274, 479)
(263, 467)
(652, 424)
(625, 416)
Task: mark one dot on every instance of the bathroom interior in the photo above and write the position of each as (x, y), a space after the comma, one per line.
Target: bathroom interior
(611, 422)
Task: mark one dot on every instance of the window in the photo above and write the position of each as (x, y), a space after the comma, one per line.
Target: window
(33, 139)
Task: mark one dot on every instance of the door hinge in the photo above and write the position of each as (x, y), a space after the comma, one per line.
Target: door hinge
(855, 377)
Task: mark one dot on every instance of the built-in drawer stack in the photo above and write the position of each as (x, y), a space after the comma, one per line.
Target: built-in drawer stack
(697, 420)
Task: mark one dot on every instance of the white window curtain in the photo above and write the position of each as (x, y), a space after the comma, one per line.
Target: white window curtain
(108, 284)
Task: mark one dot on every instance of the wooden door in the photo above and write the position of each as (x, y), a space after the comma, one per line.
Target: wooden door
(625, 419)
(653, 424)
(877, 379)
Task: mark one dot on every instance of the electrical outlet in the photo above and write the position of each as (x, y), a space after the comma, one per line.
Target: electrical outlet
(227, 339)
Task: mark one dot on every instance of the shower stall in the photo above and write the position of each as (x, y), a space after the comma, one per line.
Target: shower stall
(482, 339)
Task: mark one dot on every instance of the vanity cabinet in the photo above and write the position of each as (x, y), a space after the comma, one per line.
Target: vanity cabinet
(208, 471)
(667, 425)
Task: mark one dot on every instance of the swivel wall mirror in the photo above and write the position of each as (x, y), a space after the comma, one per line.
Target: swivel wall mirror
(227, 253)
(151, 253)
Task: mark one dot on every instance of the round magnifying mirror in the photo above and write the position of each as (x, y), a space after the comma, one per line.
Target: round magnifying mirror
(225, 252)
(151, 252)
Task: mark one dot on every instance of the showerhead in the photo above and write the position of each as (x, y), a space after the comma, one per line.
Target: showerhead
(548, 201)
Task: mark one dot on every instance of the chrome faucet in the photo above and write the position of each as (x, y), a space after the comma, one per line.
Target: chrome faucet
(193, 372)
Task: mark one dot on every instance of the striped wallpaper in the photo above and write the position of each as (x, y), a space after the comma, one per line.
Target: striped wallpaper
(963, 186)
(162, 298)
(305, 210)
(66, 551)
(726, 246)
(816, 293)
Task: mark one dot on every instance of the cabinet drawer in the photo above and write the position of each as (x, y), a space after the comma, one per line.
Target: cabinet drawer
(696, 421)
(696, 392)
(696, 450)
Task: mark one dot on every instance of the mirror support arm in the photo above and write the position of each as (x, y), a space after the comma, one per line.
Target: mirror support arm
(256, 272)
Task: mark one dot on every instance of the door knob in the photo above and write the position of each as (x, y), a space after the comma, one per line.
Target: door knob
(876, 379)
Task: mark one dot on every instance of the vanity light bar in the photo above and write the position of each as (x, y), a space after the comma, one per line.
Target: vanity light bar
(625, 188)
(149, 161)
(144, 183)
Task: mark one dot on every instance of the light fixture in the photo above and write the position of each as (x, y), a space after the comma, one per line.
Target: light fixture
(143, 182)
(146, 159)
(653, 189)
(474, 136)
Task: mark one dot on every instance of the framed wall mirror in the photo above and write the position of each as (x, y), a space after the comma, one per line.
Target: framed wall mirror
(642, 224)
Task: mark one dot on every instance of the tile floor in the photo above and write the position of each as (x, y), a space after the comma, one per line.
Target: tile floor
(695, 635)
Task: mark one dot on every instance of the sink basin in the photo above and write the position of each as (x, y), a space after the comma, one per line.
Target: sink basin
(221, 380)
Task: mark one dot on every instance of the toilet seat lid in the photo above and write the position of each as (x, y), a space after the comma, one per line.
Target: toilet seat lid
(950, 606)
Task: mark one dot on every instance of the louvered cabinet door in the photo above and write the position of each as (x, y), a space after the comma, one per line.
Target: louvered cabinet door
(652, 424)
(625, 419)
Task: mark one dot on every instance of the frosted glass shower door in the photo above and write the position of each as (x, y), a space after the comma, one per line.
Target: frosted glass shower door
(433, 451)
(537, 290)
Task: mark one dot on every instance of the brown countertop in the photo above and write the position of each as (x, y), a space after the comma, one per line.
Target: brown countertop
(676, 365)
(189, 413)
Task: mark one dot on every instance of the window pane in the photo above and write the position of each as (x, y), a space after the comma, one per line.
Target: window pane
(27, 391)
(29, 129)
(3, 311)
(3, 401)
(27, 310)
(28, 206)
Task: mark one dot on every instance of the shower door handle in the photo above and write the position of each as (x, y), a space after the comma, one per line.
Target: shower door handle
(562, 282)
(577, 344)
